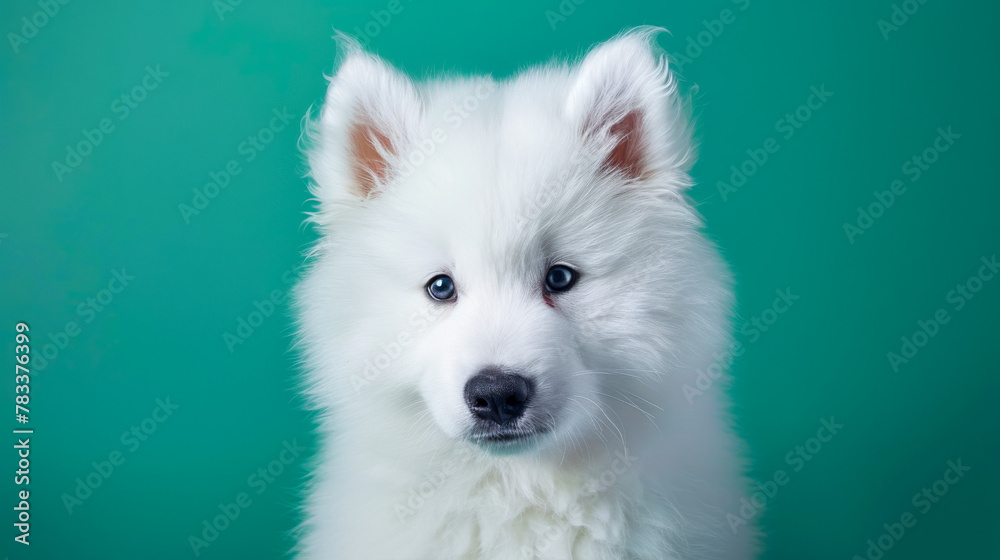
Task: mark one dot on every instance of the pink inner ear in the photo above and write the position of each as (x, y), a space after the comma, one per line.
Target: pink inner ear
(367, 164)
(627, 155)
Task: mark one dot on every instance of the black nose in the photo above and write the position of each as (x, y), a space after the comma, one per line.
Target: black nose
(497, 396)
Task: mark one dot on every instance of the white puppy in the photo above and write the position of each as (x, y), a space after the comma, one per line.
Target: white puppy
(508, 302)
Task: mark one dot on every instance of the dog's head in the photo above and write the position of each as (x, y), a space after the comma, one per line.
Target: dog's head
(515, 260)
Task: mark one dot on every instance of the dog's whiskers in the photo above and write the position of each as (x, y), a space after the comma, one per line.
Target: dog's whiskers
(611, 423)
(628, 402)
(610, 373)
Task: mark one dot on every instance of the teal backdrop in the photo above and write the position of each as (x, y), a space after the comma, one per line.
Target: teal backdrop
(151, 226)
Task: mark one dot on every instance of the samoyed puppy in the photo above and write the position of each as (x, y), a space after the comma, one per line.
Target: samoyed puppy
(505, 314)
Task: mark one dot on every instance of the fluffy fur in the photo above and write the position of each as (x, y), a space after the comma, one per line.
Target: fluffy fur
(493, 182)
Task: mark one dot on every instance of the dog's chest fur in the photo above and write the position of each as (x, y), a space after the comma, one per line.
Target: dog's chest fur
(463, 509)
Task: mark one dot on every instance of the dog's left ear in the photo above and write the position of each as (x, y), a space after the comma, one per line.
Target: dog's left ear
(369, 117)
(624, 101)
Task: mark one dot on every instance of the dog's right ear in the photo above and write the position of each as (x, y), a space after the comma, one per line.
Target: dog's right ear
(624, 101)
(370, 113)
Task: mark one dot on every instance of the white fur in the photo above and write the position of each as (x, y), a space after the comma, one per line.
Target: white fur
(631, 470)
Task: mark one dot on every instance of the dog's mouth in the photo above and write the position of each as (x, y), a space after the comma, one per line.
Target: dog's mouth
(507, 439)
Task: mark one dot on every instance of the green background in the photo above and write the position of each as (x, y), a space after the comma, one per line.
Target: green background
(163, 334)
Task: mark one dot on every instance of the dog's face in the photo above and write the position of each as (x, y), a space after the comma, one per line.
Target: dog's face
(511, 260)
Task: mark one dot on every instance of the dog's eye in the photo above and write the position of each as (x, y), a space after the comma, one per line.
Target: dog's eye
(560, 278)
(441, 287)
